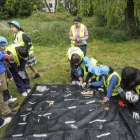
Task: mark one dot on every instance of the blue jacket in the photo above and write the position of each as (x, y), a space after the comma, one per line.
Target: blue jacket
(2, 58)
(112, 84)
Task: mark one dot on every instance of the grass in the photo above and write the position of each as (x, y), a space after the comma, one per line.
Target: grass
(51, 43)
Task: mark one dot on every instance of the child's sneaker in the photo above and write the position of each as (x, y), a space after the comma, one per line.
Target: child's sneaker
(24, 94)
(28, 90)
(7, 120)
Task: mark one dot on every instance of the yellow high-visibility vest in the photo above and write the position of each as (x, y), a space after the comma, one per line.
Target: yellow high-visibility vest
(137, 89)
(73, 33)
(20, 41)
(75, 50)
(86, 73)
(115, 90)
(12, 48)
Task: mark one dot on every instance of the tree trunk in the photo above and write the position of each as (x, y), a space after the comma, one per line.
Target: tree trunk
(55, 4)
(129, 15)
(47, 6)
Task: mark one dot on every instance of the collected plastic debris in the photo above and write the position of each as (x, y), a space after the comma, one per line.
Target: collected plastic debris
(106, 134)
(73, 126)
(28, 109)
(40, 135)
(41, 88)
(98, 120)
(101, 89)
(67, 89)
(67, 95)
(71, 107)
(96, 92)
(90, 102)
(70, 122)
(106, 108)
(87, 93)
(101, 126)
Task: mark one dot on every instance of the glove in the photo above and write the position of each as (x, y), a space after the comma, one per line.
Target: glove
(128, 95)
(80, 40)
(84, 84)
(121, 103)
(136, 115)
(75, 40)
(80, 83)
(101, 89)
(8, 57)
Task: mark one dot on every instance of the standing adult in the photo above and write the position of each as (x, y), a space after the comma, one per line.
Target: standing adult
(21, 38)
(79, 34)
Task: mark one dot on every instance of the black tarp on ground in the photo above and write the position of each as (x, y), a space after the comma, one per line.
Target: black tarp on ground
(117, 122)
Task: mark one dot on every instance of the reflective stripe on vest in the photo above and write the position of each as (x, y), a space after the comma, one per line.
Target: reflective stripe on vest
(20, 41)
(75, 50)
(12, 48)
(115, 90)
(138, 89)
(73, 33)
(84, 68)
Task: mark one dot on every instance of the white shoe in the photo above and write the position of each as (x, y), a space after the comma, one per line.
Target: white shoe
(12, 99)
(77, 82)
(7, 120)
(24, 94)
(28, 90)
(73, 82)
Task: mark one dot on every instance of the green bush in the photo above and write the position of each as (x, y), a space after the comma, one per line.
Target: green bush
(4, 15)
(22, 8)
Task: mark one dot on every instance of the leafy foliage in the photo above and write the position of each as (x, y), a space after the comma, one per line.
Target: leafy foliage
(22, 8)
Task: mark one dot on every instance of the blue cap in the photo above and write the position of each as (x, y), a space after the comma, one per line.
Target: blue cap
(92, 69)
(102, 70)
(15, 23)
(3, 40)
(87, 61)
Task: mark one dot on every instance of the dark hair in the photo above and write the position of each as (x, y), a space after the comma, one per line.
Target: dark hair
(23, 51)
(75, 58)
(130, 78)
(111, 70)
(20, 29)
(78, 19)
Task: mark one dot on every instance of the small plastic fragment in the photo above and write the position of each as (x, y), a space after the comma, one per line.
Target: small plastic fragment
(73, 126)
(106, 108)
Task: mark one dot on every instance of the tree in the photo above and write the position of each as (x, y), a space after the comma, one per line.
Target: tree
(112, 9)
(47, 6)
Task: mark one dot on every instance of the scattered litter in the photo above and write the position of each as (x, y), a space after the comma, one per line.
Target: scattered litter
(97, 121)
(92, 109)
(40, 135)
(73, 126)
(22, 123)
(70, 122)
(53, 91)
(37, 94)
(18, 135)
(48, 117)
(102, 101)
(106, 134)
(28, 109)
(96, 92)
(67, 89)
(38, 119)
(32, 103)
(106, 108)
(67, 95)
(101, 126)
(25, 114)
(41, 88)
(87, 93)
(71, 107)
(24, 118)
(101, 89)
(70, 99)
(40, 108)
(47, 114)
(90, 102)
(51, 103)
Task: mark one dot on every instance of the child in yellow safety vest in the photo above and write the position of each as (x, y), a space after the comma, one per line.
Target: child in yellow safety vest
(130, 89)
(21, 38)
(110, 79)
